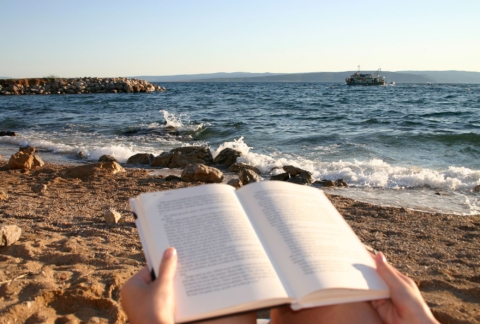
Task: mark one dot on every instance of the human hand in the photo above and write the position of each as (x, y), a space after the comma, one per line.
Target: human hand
(145, 301)
(406, 304)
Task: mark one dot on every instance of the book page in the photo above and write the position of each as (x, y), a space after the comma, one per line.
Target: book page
(221, 262)
(311, 243)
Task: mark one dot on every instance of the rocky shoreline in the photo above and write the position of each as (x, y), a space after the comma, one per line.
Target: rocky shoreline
(78, 242)
(85, 85)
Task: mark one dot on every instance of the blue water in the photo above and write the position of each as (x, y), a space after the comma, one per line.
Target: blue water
(411, 145)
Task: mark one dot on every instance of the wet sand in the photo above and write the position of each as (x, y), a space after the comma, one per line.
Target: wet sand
(69, 266)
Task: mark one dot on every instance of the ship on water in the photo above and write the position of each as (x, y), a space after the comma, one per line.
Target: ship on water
(364, 79)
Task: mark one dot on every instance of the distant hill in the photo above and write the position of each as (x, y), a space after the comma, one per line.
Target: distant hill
(322, 77)
(195, 77)
(398, 77)
(4, 77)
(448, 76)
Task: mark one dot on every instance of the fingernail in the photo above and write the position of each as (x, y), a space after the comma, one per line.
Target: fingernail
(169, 253)
(382, 258)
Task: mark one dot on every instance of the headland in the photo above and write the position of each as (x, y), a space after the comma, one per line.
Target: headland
(54, 85)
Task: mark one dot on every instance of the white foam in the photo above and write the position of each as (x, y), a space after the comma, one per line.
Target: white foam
(119, 152)
(181, 121)
(374, 173)
(91, 151)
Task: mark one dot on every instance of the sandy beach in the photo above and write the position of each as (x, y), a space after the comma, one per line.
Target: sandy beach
(69, 265)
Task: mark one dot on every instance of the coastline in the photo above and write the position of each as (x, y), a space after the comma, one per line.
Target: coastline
(70, 265)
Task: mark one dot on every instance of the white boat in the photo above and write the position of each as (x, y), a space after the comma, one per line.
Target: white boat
(365, 79)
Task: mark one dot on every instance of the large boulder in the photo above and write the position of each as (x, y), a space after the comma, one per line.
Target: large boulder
(236, 167)
(21, 160)
(227, 156)
(95, 169)
(293, 171)
(140, 158)
(183, 156)
(9, 234)
(25, 159)
(247, 176)
(201, 172)
(298, 175)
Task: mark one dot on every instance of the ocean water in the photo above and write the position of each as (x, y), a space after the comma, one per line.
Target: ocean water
(411, 145)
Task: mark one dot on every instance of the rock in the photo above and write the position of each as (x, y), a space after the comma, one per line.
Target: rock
(236, 167)
(9, 234)
(80, 155)
(111, 216)
(20, 160)
(325, 183)
(27, 149)
(183, 156)
(370, 249)
(75, 85)
(163, 160)
(39, 188)
(280, 177)
(307, 176)
(140, 158)
(298, 180)
(171, 130)
(3, 195)
(227, 156)
(236, 183)
(247, 176)
(341, 183)
(173, 177)
(37, 161)
(7, 133)
(476, 188)
(107, 158)
(201, 172)
(293, 171)
(96, 169)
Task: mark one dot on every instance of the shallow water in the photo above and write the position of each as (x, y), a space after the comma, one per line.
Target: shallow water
(407, 145)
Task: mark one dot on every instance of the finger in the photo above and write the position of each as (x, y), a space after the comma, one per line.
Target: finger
(168, 267)
(142, 276)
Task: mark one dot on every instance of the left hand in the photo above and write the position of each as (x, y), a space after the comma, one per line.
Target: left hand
(147, 301)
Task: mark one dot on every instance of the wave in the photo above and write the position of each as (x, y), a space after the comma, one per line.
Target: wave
(443, 114)
(180, 121)
(372, 173)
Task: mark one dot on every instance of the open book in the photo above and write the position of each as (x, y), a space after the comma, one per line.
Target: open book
(268, 243)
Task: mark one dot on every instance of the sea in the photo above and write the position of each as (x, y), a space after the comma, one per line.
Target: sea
(409, 145)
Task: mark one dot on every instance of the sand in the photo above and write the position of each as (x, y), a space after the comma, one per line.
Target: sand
(69, 265)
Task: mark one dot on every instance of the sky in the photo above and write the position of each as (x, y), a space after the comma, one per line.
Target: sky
(126, 38)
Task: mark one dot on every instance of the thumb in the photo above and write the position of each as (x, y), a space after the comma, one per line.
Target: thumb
(392, 277)
(167, 270)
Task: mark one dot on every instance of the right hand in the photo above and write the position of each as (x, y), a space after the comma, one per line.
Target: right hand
(405, 304)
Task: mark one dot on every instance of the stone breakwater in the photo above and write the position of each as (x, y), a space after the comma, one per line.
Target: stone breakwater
(75, 86)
